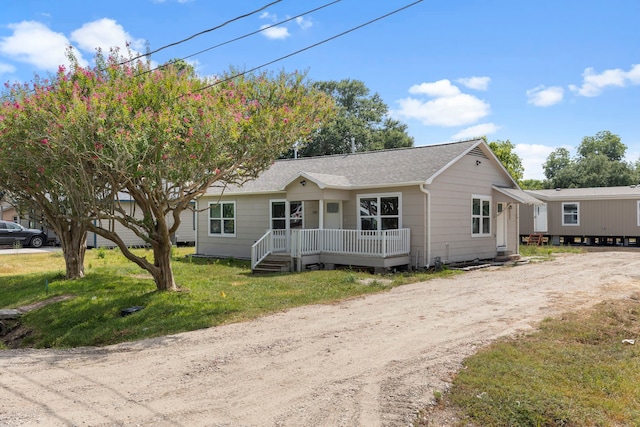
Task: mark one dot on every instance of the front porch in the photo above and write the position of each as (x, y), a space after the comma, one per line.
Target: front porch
(330, 247)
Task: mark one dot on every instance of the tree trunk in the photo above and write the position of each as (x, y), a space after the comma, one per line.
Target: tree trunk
(162, 271)
(73, 240)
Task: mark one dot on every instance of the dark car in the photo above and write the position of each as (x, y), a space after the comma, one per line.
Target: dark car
(10, 233)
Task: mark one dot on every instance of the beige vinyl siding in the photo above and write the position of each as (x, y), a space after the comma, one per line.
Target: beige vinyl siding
(186, 231)
(252, 222)
(597, 218)
(451, 195)
(526, 220)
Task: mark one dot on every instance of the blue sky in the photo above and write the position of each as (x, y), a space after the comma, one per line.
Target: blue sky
(541, 74)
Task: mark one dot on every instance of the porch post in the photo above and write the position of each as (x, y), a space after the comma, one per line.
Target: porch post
(384, 244)
(321, 209)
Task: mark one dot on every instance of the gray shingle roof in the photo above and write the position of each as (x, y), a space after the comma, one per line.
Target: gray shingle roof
(591, 193)
(360, 170)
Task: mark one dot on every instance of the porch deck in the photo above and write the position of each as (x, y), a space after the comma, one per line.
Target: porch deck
(380, 249)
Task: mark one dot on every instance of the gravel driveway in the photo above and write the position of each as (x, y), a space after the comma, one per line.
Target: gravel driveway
(370, 361)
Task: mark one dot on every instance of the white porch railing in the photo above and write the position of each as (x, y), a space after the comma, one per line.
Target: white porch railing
(272, 241)
(347, 242)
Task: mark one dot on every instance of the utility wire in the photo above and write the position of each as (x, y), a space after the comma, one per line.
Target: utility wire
(310, 46)
(201, 33)
(263, 29)
(246, 35)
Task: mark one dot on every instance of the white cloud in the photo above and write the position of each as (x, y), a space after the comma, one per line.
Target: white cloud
(275, 32)
(543, 96)
(458, 110)
(6, 68)
(480, 130)
(593, 83)
(34, 43)
(270, 16)
(304, 23)
(105, 33)
(477, 83)
(441, 88)
(533, 156)
(450, 107)
(634, 74)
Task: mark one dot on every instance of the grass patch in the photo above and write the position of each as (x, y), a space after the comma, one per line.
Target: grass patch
(548, 251)
(213, 292)
(575, 371)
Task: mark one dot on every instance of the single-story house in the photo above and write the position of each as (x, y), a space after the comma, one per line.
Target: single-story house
(413, 207)
(591, 216)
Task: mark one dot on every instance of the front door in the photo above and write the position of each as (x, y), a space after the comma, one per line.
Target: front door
(540, 218)
(501, 227)
(333, 214)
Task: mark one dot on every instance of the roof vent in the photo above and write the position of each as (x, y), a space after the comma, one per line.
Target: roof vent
(558, 188)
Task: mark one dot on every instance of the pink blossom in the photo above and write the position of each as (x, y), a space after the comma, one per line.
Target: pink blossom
(45, 141)
(192, 156)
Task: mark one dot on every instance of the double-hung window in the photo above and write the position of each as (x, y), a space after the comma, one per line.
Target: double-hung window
(571, 213)
(286, 215)
(480, 216)
(222, 219)
(379, 212)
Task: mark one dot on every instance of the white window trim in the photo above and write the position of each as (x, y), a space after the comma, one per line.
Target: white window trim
(564, 224)
(379, 196)
(482, 199)
(235, 219)
(287, 212)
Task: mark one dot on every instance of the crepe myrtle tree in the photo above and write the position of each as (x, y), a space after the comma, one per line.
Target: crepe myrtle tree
(38, 122)
(164, 136)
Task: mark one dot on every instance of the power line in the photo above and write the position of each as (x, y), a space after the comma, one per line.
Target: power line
(200, 33)
(263, 29)
(247, 35)
(311, 46)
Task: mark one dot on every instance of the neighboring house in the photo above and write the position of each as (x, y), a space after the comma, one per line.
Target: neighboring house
(414, 207)
(8, 212)
(592, 216)
(186, 234)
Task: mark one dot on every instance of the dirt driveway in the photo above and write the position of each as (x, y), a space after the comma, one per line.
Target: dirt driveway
(372, 361)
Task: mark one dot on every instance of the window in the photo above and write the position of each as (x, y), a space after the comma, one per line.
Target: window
(222, 219)
(638, 213)
(379, 212)
(480, 216)
(286, 215)
(571, 214)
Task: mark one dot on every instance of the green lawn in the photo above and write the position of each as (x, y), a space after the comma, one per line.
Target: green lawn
(576, 371)
(213, 292)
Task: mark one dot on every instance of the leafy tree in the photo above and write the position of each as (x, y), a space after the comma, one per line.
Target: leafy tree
(598, 164)
(164, 137)
(532, 184)
(556, 161)
(605, 143)
(505, 151)
(360, 118)
(31, 119)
